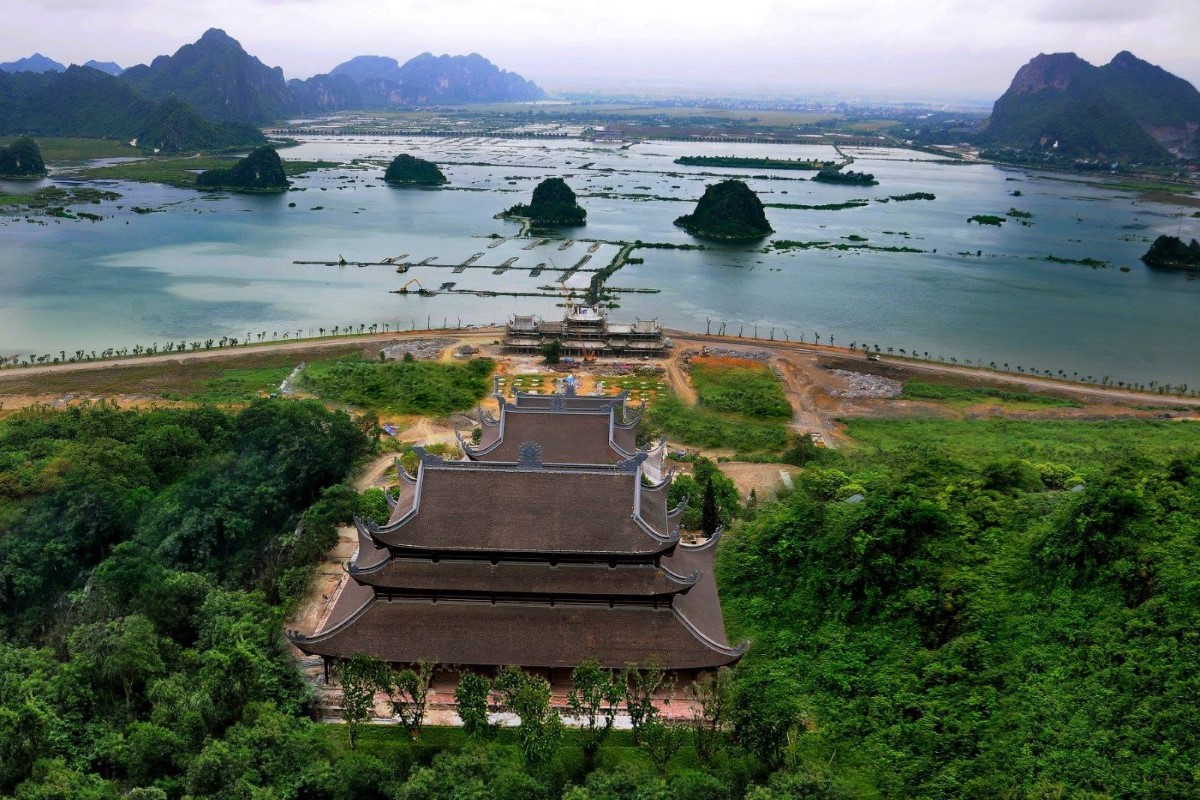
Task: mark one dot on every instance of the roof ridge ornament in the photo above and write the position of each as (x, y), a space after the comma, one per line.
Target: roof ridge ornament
(631, 465)
(529, 455)
(427, 458)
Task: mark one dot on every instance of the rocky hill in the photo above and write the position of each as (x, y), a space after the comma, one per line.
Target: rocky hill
(553, 203)
(381, 82)
(174, 127)
(729, 210)
(217, 78)
(22, 159)
(260, 171)
(407, 170)
(78, 102)
(86, 102)
(34, 63)
(109, 67)
(1127, 110)
(1171, 252)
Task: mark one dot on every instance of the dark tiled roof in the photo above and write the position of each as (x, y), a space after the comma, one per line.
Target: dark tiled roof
(589, 402)
(501, 508)
(525, 634)
(566, 437)
(701, 605)
(461, 577)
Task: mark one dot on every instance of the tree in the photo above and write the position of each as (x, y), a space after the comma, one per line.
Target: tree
(528, 697)
(711, 697)
(123, 653)
(593, 698)
(710, 518)
(408, 693)
(471, 695)
(552, 351)
(663, 740)
(362, 676)
(641, 686)
(764, 710)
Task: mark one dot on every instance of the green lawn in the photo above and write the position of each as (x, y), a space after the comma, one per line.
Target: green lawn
(740, 388)
(58, 149)
(181, 171)
(964, 396)
(402, 387)
(700, 427)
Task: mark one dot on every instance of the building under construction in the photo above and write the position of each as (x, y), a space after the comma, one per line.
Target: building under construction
(586, 331)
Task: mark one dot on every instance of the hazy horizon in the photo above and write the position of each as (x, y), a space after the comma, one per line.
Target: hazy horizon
(956, 51)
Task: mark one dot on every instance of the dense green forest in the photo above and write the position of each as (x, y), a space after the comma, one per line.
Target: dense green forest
(1010, 610)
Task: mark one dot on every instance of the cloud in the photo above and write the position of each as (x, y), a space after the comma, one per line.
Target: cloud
(1084, 11)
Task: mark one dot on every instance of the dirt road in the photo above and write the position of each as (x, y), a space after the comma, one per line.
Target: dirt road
(1087, 393)
(467, 335)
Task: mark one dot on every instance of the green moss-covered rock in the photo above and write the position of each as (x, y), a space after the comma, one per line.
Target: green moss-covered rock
(22, 159)
(728, 210)
(553, 203)
(260, 171)
(406, 170)
(1173, 252)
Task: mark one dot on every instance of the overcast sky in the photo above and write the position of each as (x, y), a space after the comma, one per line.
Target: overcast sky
(927, 49)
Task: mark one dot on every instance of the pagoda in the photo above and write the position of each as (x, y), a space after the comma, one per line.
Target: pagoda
(542, 549)
(569, 428)
(585, 331)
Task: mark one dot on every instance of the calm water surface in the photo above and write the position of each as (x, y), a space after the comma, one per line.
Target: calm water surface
(222, 266)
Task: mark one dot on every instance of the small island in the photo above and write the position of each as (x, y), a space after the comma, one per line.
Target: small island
(406, 170)
(986, 219)
(22, 160)
(553, 203)
(260, 171)
(728, 211)
(1172, 252)
(848, 178)
(752, 163)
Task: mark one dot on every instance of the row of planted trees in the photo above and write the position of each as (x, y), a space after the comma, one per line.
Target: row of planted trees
(185, 345)
(1156, 387)
(596, 696)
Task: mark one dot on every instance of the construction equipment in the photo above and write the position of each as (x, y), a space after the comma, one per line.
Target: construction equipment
(421, 290)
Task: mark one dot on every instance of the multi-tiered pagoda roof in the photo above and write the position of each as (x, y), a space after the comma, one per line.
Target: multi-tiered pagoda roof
(569, 428)
(536, 561)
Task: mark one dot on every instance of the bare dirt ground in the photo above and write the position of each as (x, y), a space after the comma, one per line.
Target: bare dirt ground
(764, 479)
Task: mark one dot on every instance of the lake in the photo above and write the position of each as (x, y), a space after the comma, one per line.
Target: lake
(210, 266)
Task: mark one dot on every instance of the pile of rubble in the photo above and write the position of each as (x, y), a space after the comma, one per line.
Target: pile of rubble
(863, 385)
(420, 348)
(725, 352)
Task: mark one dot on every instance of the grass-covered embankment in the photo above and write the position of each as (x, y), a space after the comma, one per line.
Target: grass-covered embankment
(741, 407)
